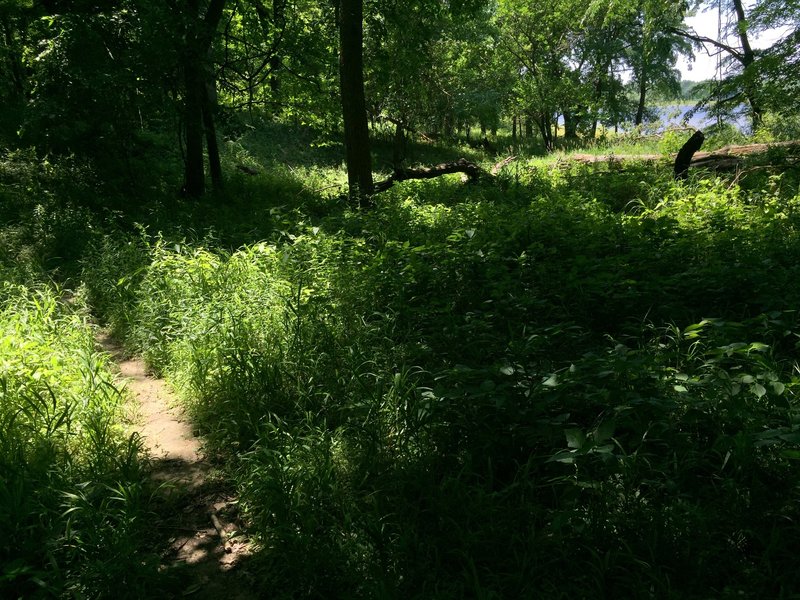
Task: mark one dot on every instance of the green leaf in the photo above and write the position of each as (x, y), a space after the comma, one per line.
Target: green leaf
(777, 387)
(575, 438)
(758, 347)
(759, 390)
(551, 381)
(604, 431)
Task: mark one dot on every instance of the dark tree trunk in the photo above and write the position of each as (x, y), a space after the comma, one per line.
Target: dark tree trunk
(399, 145)
(684, 158)
(642, 98)
(198, 105)
(354, 108)
(214, 164)
(462, 165)
(194, 176)
(570, 126)
(14, 57)
(514, 129)
(747, 58)
(528, 127)
(547, 136)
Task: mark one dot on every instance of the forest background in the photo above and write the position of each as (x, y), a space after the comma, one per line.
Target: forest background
(563, 377)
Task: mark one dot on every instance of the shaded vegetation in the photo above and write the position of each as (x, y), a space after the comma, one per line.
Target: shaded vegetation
(565, 381)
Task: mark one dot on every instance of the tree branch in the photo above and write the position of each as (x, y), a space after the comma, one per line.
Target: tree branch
(737, 54)
(462, 165)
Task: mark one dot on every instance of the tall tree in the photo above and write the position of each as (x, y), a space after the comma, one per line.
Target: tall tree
(198, 92)
(748, 74)
(653, 49)
(354, 106)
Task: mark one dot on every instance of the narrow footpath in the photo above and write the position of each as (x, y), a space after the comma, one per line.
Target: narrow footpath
(202, 550)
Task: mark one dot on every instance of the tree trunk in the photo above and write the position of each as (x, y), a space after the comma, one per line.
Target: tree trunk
(214, 164)
(547, 135)
(514, 129)
(14, 57)
(684, 158)
(399, 145)
(570, 126)
(354, 108)
(642, 98)
(198, 113)
(194, 176)
(747, 59)
(462, 165)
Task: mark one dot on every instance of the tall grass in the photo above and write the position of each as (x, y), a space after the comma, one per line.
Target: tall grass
(71, 493)
(564, 384)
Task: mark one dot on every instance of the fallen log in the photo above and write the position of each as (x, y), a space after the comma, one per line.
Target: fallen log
(728, 156)
(724, 158)
(503, 163)
(462, 165)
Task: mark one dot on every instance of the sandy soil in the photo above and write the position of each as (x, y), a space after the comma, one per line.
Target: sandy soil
(202, 545)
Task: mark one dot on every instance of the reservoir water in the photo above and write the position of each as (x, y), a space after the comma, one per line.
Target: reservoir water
(678, 115)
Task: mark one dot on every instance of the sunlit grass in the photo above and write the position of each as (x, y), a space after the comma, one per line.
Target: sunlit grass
(71, 483)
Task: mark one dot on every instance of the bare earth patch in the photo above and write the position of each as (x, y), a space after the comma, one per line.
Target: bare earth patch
(202, 546)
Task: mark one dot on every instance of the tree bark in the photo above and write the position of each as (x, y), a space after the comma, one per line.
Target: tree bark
(14, 57)
(460, 166)
(747, 58)
(642, 96)
(685, 154)
(214, 163)
(547, 135)
(198, 105)
(194, 175)
(354, 108)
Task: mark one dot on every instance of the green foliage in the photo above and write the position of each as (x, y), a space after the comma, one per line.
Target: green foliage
(473, 390)
(71, 491)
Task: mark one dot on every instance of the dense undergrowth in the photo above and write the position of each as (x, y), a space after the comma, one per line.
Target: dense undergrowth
(70, 490)
(565, 382)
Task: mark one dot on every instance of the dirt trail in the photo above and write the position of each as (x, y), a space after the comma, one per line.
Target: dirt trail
(201, 553)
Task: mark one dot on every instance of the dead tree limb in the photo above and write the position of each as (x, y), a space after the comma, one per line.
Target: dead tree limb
(462, 165)
(503, 163)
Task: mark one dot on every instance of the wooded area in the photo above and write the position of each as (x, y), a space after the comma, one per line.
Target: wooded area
(431, 298)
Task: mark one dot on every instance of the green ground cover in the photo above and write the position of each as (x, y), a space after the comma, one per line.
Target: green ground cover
(572, 381)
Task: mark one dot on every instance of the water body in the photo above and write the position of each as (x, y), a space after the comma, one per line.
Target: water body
(678, 114)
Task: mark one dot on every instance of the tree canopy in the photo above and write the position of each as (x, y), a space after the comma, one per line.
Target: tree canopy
(84, 76)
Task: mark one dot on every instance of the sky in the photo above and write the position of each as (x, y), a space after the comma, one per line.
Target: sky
(705, 66)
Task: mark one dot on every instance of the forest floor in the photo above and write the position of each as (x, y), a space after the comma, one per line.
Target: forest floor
(196, 526)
